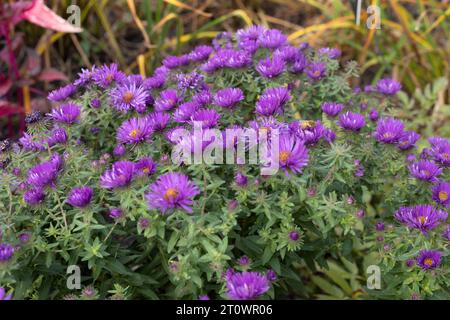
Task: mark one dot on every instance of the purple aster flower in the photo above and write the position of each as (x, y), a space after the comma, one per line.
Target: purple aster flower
(442, 156)
(119, 150)
(228, 97)
(389, 130)
(143, 223)
(120, 175)
(271, 67)
(446, 233)
(429, 259)
(373, 115)
(316, 70)
(203, 297)
(421, 217)
(251, 33)
(3, 295)
(200, 53)
(185, 111)
(310, 132)
(441, 193)
(300, 63)
(208, 117)
(154, 82)
(379, 226)
(351, 121)
(172, 190)
(24, 237)
(272, 39)
(80, 197)
(115, 213)
(408, 140)
(410, 263)
(288, 53)
(293, 155)
(57, 135)
(145, 167)
(239, 59)
(368, 89)
(173, 62)
(329, 135)
(294, 235)
(34, 196)
(272, 101)
(388, 86)
(158, 120)
(6, 252)
(32, 143)
(66, 113)
(45, 173)
(135, 130)
(189, 81)
(425, 170)
(271, 275)
(106, 75)
(332, 53)
(244, 261)
(332, 108)
(246, 285)
(95, 103)
(62, 93)
(202, 98)
(240, 179)
(84, 77)
(128, 96)
(167, 100)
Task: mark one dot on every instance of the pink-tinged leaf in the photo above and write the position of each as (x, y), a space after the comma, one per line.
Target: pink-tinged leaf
(32, 63)
(51, 74)
(5, 85)
(42, 16)
(16, 42)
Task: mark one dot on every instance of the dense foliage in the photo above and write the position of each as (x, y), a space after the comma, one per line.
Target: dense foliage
(93, 183)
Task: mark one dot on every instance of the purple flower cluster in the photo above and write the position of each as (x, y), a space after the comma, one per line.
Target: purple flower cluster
(421, 217)
(246, 285)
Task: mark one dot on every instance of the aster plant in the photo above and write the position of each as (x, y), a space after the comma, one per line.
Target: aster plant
(93, 182)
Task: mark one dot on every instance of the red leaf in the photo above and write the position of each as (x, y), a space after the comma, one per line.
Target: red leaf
(51, 74)
(5, 85)
(42, 16)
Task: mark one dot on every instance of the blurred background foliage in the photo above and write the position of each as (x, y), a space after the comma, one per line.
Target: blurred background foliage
(412, 44)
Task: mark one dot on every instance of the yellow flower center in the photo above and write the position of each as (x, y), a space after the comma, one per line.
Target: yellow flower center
(422, 219)
(428, 262)
(426, 172)
(264, 129)
(388, 135)
(146, 170)
(284, 155)
(446, 156)
(127, 97)
(110, 77)
(316, 73)
(171, 194)
(443, 196)
(134, 133)
(307, 124)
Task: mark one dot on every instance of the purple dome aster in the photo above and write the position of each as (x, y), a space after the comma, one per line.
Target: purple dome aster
(167, 100)
(84, 77)
(185, 111)
(271, 67)
(389, 130)
(238, 59)
(208, 117)
(388, 86)
(246, 285)
(316, 70)
(310, 132)
(332, 53)
(65, 113)
(145, 167)
(332, 108)
(115, 213)
(173, 62)
(128, 96)
(271, 275)
(379, 226)
(200, 53)
(240, 179)
(203, 297)
(351, 121)
(158, 120)
(272, 101)
(288, 53)
(119, 150)
(251, 33)
(425, 170)
(106, 75)
(272, 39)
(33, 143)
(293, 155)
(294, 235)
(45, 173)
(3, 295)
(228, 97)
(408, 140)
(57, 135)
(6, 252)
(62, 93)
(441, 193)
(446, 233)
(429, 259)
(373, 115)
(202, 98)
(34, 196)
(189, 81)
(421, 217)
(120, 175)
(80, 197)
(299, 64)
(154, 82)
(135, 130)
(172, 190)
